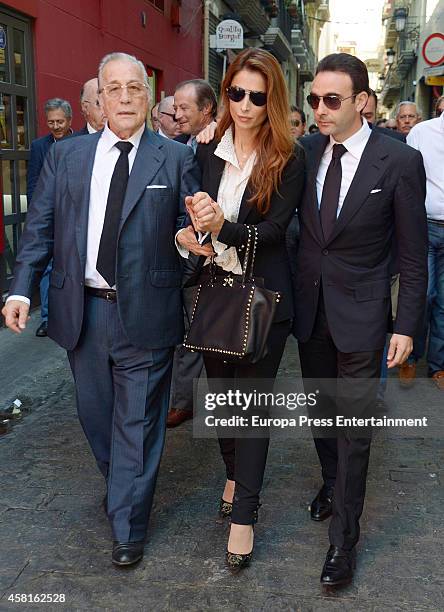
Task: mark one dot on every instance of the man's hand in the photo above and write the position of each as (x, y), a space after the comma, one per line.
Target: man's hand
(187, 239)
(16, 315)
(399, 349)
(207, 214)
(207, 134)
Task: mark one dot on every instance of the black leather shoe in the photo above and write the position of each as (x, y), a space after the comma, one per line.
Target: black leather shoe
(127, 553)
(338, 567)
(321, 506)
(42, 330)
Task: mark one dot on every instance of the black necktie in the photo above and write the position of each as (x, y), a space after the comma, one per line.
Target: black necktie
(106, 258)
(331, 190)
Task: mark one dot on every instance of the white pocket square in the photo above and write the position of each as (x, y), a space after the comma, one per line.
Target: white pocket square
(156, 186)
(375, 190)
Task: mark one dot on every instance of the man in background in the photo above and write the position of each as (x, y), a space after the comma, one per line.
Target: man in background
(90, 108)
(58, 119)
(155, 117)
(168, 125)
(407, 116)
(298, 122)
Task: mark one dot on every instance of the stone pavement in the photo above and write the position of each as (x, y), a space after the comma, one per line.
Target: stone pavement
(54, 537)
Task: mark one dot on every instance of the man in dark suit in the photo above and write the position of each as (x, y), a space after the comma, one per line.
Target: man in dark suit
(362, 190)
(58, 119)
(195, 107)
(91, 108)
(106, 208)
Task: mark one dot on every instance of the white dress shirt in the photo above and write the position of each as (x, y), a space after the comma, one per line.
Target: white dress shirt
(355, 146)
(105, 159)
(90, 128)
(428, 138)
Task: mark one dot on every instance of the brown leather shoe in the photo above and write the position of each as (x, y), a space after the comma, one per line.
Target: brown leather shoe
(407, 374)
(438, 379)
(176, 417)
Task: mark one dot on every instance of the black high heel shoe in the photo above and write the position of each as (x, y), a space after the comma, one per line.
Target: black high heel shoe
(225, 508)
(236, 561)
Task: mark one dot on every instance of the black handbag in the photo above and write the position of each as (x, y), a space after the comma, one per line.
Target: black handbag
(232, 314)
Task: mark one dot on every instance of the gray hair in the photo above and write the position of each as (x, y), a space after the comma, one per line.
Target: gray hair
(56, 103)
(164, 103)
(120, 56)
(403, 103)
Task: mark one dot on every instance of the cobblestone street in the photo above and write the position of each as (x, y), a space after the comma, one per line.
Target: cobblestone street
(55, 538)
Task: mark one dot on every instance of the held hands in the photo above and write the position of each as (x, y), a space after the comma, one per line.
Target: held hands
(16, 315)
(187, 239)
(206, 215)
(399, 350)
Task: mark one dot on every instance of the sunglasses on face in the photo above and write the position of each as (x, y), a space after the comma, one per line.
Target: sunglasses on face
(331, 102)
(295, 123)
(237, 94)
(172, 115)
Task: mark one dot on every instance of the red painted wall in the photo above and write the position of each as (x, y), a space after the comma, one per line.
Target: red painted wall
(70, 38)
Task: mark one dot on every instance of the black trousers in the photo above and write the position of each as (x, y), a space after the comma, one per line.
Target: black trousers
(245, 458)
(344, 460)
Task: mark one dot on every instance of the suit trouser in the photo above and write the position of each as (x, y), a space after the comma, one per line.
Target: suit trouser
(344, 460)
(122, 402)
(245, 458)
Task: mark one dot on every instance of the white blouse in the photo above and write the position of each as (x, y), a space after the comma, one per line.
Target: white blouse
(229, 197)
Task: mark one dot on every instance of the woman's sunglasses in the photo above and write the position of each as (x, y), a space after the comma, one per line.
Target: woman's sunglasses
(331, 102)
(236, 94)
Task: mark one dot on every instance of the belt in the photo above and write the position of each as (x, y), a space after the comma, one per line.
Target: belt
(110, 295)
(436, 222)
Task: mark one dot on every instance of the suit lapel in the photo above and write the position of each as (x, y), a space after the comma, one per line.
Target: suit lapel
(310, 214)
(80, 165)
(370, 169)
(149, 159)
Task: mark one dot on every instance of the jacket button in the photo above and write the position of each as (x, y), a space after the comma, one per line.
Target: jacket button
(325, 252)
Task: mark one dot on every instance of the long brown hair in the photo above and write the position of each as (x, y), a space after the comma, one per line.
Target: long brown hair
(274, 145)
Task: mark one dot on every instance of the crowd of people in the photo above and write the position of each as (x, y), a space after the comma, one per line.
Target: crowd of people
(122, 218)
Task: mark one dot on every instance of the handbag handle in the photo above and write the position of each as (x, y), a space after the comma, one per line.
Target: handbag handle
(250, 254)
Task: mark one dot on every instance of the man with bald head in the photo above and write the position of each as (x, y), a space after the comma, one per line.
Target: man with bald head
(91, 108)
(407, 116)
(168, 124)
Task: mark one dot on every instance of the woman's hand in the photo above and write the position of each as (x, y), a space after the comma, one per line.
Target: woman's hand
(187, 239)
(207, 215)
(207, 134)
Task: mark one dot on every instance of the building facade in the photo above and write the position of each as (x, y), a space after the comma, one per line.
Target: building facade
(49, 48)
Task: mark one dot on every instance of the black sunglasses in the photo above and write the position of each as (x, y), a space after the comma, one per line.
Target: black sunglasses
(236, 94)
(295, 123)
(331, 102)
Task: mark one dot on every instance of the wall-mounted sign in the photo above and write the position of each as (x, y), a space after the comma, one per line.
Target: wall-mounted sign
(434, 80)
(433, 49)
(229, 35)
(2, 38)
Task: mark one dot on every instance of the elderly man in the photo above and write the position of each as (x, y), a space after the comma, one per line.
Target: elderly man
(155, 117)
(107, 208)
(195, 107)
(407, 116)
(168, 125)
(91, 108)
(58, 119)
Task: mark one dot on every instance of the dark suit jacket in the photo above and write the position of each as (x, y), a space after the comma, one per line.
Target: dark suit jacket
(148, 268)
(386, 132)
(39, 149)
(82, 132)
(271, 261)
(386, 198)
(182, 138)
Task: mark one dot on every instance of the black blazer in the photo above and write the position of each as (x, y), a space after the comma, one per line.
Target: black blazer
(271, 261)
(385, 199)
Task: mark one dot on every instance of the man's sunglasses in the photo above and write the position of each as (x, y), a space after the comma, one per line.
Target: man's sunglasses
(236, 94)
(295, 123)
(331, 102)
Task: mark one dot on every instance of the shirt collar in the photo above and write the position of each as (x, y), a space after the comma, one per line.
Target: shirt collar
(90, 128)
(109, 139)
(159, 131)
(355, 145)
(225, 149)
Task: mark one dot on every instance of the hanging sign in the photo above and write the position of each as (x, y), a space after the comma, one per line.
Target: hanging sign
(229, 35)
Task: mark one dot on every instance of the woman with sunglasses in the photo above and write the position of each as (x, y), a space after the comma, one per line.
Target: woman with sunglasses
(252, 174)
